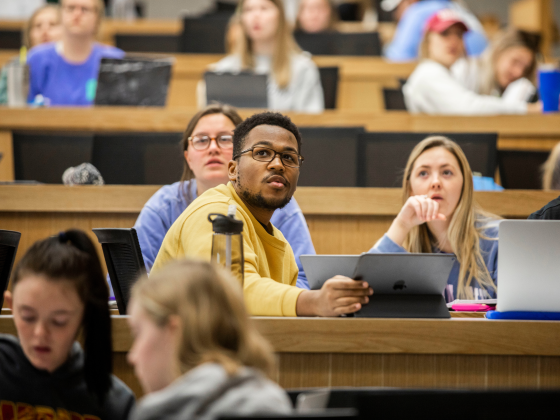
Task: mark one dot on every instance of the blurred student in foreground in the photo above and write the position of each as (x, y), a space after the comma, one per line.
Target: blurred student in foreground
(432, 89)
(316, 16)
(42, 27)
(266, 46)
(59, 292)
(412, 16)
(207, 148)
(66, 72)
(440, 215)
(196, 352)
(507, 69)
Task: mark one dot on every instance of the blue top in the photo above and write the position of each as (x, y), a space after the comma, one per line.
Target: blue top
(406, 42)
(488, 249)
(167, 204)
(62, 82)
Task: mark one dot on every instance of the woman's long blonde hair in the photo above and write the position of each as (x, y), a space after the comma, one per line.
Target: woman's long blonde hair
(487, 64)
(466, 227)
(285, 47)
(209, 303)
(551, 170)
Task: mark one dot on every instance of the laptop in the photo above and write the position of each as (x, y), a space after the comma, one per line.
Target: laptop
(242, 90)
(529, 266)
(133, 81)
(405, 285)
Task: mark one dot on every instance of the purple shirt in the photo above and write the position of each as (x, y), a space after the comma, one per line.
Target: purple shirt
(62, 82)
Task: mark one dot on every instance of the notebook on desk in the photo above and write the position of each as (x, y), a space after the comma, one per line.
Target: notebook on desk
(529, 266)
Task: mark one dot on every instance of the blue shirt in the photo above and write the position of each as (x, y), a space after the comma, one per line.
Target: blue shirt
(410, 30)
(488, 249)
(167, 204)
(62, 82)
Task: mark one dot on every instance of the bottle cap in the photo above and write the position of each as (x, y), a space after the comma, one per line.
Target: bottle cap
(225, 224)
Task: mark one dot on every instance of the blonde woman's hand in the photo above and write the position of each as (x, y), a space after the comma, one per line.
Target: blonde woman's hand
(418, 209)
(535, 108)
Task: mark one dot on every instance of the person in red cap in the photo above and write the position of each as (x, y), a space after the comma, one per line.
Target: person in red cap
(432, 88)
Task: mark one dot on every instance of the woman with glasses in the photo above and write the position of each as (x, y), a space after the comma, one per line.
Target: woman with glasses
(208, 147)
(65, 73)
(266, 46)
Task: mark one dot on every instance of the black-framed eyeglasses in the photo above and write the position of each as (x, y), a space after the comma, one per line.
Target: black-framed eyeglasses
(224, 141)
(266, 154)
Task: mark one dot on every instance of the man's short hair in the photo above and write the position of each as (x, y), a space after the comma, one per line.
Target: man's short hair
(265, 118)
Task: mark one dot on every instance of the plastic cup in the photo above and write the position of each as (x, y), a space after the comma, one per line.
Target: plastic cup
(549, 89)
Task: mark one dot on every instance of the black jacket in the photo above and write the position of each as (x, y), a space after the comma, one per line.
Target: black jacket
(549, 212)
(26, 389)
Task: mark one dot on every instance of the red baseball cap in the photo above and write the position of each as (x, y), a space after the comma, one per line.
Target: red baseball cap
(443, 20)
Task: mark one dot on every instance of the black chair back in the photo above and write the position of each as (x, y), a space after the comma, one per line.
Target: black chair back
(328, 414)
(329, 82)
(124, 260)
(9, 241)
(44, 157)
(521, 169)
(338, 43)
(382, 157)
(10, 40)
(330, 156)
(148, 43)
(204, 34)
(138, 158)
(394, 99)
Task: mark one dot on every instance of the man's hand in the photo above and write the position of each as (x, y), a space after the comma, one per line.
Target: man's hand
(339, 295)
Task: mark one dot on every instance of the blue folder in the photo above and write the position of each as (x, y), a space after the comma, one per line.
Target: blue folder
(524, 315)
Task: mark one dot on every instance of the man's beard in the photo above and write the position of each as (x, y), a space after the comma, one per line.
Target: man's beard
(257, 200)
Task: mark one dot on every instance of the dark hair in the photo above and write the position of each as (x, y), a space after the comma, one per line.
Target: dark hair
(264, 118)
(215, 108)
(71, 256)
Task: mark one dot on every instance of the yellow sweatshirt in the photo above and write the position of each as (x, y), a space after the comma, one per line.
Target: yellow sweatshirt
(270, 267)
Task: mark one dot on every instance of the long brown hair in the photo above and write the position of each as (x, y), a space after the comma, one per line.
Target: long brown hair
(71, 257)
(285, 47)
(211, 109)
(551, 170)
(30, 22)
(215, 324)
(466, 227)
(509, 39)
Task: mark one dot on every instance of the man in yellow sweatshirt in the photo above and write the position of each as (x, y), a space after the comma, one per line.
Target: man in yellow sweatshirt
(263, 177)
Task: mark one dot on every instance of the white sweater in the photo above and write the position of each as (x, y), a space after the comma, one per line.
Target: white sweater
(468, 72)
(432, 89)
(304, 92)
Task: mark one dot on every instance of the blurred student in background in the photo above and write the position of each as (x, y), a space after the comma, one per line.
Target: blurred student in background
(58, 293)
(196, 352)
(66, 72)
(207, 148)
(412, 16)
(551, 170)
(42, 27)
(316, 16)
(507, 69)
(433, 89)
(267, 46)
(440, 215)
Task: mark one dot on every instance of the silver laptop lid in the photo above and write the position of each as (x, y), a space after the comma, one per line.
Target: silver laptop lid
(529, 266)
(320, 268)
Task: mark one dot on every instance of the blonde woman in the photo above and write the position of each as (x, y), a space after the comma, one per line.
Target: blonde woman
(66, 72)
(266, 46)
(43, 26)
(432, 88)
(506, 69)
(316, 16)
(440, 215)
(196, 352)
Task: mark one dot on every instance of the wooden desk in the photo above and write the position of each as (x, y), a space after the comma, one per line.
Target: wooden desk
(361, 79)
(529, 132)
(414, 353)
(341, 220)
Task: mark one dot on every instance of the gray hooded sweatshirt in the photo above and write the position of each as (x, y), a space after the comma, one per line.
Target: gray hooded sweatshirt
(207, 392)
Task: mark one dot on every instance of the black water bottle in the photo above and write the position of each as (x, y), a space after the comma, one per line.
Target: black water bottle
(227, 242)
